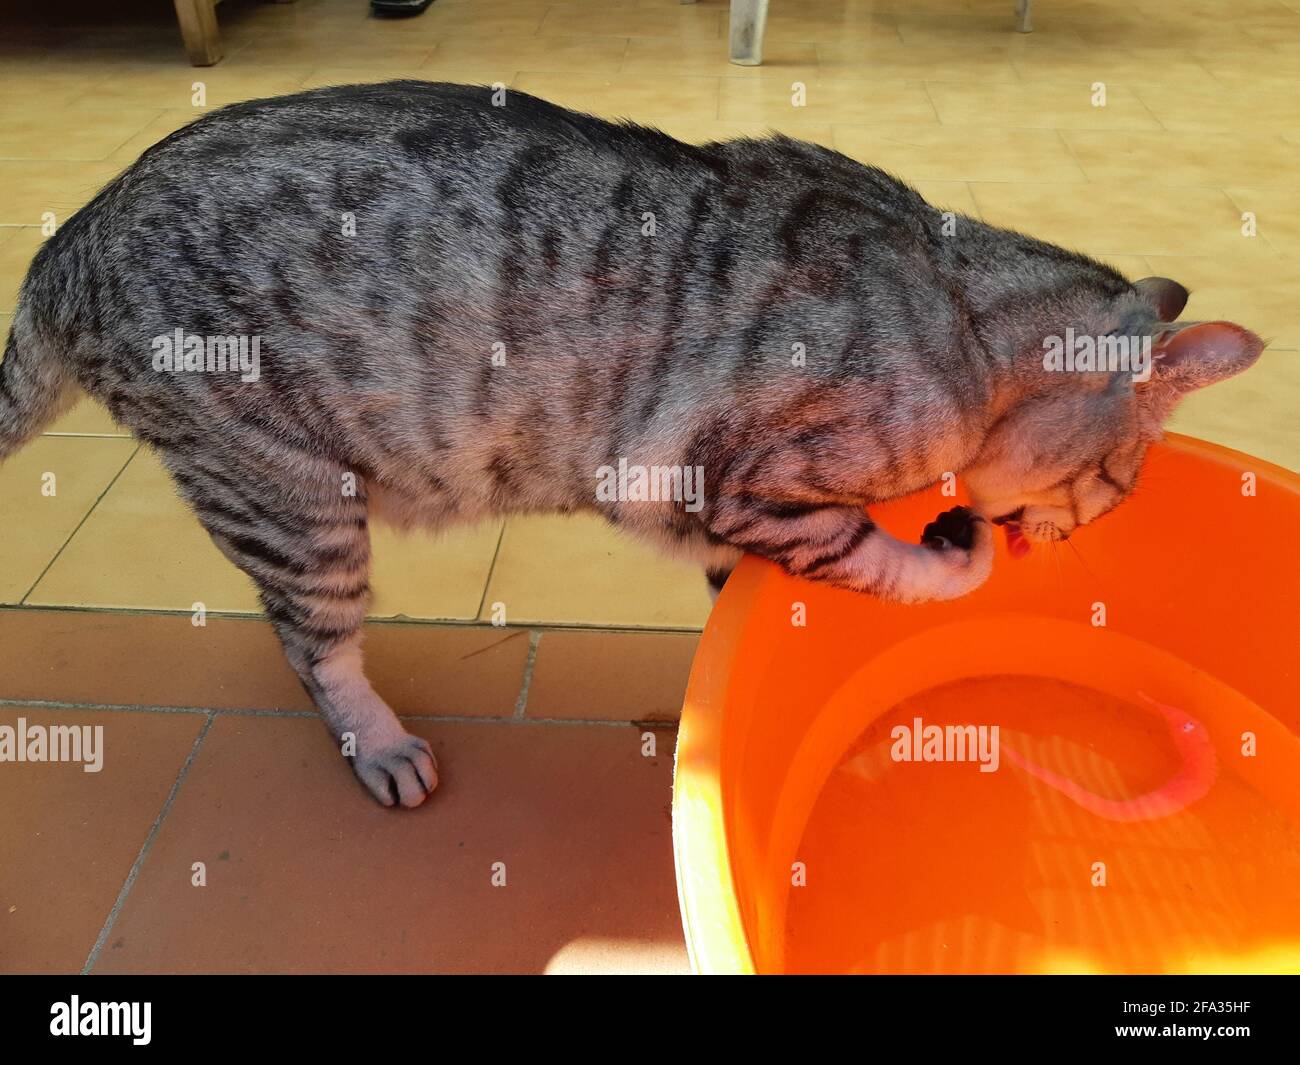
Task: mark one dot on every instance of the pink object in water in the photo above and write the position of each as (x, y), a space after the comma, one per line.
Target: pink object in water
(1191, 782)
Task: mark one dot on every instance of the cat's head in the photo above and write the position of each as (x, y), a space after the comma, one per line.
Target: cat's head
(1069, 446)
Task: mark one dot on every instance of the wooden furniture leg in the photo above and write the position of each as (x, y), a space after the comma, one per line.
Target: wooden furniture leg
(198, 21)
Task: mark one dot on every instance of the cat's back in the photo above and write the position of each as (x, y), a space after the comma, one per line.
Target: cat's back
(439, 136)
(393, 120)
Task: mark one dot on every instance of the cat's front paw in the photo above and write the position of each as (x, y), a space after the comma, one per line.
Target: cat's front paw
(401, 771)
(962, 546)
(952, 528)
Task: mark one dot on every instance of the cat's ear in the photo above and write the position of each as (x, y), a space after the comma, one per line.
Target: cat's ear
(1193, 356)
(1168, 298)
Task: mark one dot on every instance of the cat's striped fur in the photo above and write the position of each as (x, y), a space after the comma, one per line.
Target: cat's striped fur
(651, 300)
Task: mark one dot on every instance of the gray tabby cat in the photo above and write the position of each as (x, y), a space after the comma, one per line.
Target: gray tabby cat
(644, 299)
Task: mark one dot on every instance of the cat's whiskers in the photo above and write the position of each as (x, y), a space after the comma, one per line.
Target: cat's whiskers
(1079, 555)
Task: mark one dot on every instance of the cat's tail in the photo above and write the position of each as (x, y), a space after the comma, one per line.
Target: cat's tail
(36, 385)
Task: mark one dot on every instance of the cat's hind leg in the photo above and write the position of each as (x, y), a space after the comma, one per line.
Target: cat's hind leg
(303, 537)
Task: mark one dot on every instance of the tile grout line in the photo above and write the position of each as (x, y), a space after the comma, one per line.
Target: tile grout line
(1074, 158)
(84, 518)
(487, 579)
(149, 708)
(215, 712)
(379, 619)
(138, 864)
(122, 144)
(534, 638)
(929, 98)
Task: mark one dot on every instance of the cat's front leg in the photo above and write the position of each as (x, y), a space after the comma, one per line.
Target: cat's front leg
(843, 546)
(936, 569)
(718, 569)
(396, 767)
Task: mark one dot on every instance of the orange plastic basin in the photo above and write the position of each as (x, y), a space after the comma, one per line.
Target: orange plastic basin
(1112, 836)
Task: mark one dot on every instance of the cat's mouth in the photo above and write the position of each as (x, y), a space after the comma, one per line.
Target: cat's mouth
(1017, 543)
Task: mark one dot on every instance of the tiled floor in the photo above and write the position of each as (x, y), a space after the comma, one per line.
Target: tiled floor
(207, 760)
(547, 847)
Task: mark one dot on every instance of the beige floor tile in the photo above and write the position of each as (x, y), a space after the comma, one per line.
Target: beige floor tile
(1267, 27)
(1161, 159)
(243, 20)
(35, 525)
(1209, 107)
(825, 101)
(499, 18)
(1038, 106)
(956, 153)
(579, 55)
(1277, 213)
(27, 84)
(1275, 69)
(697, 21)
(367, 74)
(68, 133)
(1206, 14)
(1161, 32)
(695, 132)
(636, 98)
(829, 26)
(316, 50)
(34, 186)
(193, 88)
(989, 28)
(417, 575)
(657, 56)
(556, 569)
(888, 58)
(87, 418)
(949, 196)
(70, 837)
(483, 74)
(1123, 219)
(165, 123)
(1084, 64)
(142, 547)
(17, 246)
(305, 873)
